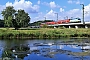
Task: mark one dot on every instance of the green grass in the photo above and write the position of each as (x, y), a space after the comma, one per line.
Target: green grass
(43, 33)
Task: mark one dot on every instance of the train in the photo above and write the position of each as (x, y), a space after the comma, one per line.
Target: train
(65, 21)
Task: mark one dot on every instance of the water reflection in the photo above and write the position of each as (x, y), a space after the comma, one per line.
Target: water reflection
(60, 49)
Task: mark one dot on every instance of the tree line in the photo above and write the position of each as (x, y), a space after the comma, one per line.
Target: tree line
(15, 18)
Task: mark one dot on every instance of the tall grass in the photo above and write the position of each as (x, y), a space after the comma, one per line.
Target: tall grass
(44, 33)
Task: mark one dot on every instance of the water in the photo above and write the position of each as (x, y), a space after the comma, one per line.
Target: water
(52, 49)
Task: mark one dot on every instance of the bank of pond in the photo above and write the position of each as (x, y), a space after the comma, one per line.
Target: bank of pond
(44, 33)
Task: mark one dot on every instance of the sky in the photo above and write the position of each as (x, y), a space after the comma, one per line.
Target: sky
(39, 9)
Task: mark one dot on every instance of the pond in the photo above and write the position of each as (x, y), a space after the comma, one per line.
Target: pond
(49, 49)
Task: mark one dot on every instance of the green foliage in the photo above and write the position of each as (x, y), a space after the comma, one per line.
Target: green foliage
(22, 19)
(7, 53)
(44, 33)
(8, 15)
(44, 26)
(1, 23)
(16, 19)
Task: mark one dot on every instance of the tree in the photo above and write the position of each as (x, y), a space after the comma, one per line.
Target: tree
(1, 23)
(21, 19)
(16, 19)
(8, 15)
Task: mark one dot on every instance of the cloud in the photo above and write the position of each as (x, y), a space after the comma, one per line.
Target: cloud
(74, 2)
(70, 1)
(50, 14)
(40, 16)
(29, 7)
(38, 2)
(87, 8)
(87, 12)
(26, 5)
(61, 10)
(1, 9)
(74, 13)
(63, 14)
(51, 4)
(78, 2)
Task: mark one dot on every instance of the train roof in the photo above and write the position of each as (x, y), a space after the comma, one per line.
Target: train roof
(75, 18)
